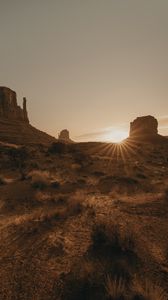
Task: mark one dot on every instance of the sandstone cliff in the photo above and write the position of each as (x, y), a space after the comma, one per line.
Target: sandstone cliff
(9, 109)
(146, 126)
(145, 129)
(14, 122)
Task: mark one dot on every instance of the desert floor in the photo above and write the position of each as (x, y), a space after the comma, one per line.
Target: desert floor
(84, 221)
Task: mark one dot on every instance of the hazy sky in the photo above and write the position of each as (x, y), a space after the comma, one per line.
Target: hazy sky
(90, 66)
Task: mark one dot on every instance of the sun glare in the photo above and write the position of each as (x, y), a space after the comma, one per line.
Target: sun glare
(116, 136)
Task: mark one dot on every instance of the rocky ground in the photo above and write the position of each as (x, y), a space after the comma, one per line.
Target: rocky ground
(84, 221)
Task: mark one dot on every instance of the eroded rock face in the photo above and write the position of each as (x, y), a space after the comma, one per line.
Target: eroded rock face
(146, 126)
(9, 109)
(64, 135)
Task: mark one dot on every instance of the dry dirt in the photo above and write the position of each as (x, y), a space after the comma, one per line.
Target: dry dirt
(50, 202)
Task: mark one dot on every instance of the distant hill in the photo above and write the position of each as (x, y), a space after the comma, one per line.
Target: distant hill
(22, 133)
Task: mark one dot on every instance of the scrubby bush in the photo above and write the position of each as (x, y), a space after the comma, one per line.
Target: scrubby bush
(82, 159)
(83, 282)
(58, 148)
(110, 238)
(90, 280)
(75, 203)
(116, 248)
(122, 184)
(18, 158)
(39, 179)
(55, 184)
(115, 288)
(145, 290)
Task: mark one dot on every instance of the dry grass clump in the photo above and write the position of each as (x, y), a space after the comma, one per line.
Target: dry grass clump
(58, 148)
(122, 184)
(90, 281)
(111, 238)
(44, 217)
(148, 291)
(55, 184)
(19, 158)
(83, 282)
(116, 247)
(75, 203)
(43, 197)
(41, 221)
(50, 216)
(115, 288)
(72, 205)
(39, 179)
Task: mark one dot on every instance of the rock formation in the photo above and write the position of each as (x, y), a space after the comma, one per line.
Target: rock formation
(144, 127)
(14, 122)
(64, 135)
(9, 109)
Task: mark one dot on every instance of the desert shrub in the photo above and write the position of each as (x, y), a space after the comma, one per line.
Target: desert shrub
(75, 207)
(39, 222)
(39, 179)
(109, 238)
(48, 217)
(118, 183)
(83, 282)
(43, 197)
(115, 288)
(148, 291)
(55, 184)
(75, 203)
(90, 281)
(54, 215)
(58, 148)
(115, 247)
(65, 208)
(79, 157)
(18, 158)
(82, 158)
(72, 207)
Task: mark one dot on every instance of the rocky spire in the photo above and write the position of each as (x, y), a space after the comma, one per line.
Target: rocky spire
(64, 135)
(25, 114)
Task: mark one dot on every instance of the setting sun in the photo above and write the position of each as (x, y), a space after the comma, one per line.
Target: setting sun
(116, 135)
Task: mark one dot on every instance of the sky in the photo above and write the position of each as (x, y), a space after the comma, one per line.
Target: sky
(91, 66)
